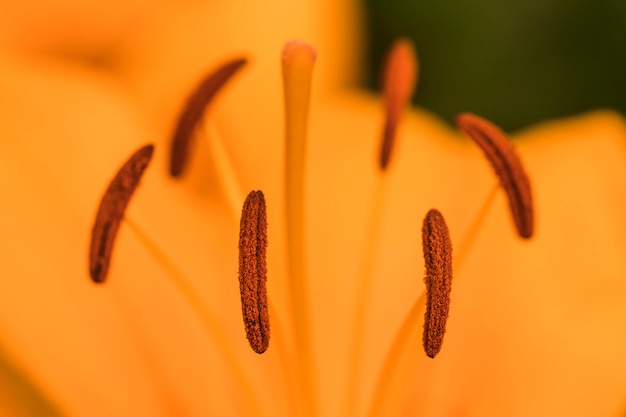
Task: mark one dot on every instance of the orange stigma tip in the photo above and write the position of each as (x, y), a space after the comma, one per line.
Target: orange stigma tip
(507, 165)
(253, 271)
(438, 261)
(111, 211)
(296, 50)
(399, 78)
(194, 110)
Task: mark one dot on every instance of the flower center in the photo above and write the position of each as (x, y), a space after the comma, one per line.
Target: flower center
(298, 61)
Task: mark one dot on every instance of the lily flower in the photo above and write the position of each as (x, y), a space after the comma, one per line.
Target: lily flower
(534, 326)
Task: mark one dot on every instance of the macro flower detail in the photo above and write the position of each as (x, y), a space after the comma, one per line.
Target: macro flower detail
(534, 326)
(298, 60)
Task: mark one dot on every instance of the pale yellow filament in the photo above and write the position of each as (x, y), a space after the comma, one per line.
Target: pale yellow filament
(225, 169)
(207, 317)
(463, 248)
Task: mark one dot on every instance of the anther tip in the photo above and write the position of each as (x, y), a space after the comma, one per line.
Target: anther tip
(401, 67)
(462, 120)
(96, 274)
(147, 151)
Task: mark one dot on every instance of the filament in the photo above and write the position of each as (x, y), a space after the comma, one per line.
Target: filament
(207, 317)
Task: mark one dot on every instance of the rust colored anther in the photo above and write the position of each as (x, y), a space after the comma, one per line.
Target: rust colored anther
(111, 211)
(399, 79)
(438, 280)
(193, 112)
(507, 165)
(253, 271)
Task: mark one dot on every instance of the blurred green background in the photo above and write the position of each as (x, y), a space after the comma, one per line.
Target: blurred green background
(515, 62)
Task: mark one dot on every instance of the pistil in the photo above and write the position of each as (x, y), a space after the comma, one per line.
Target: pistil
(298, 60)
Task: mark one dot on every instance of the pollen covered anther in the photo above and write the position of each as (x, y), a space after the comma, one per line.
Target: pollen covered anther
(438, 279)
(111, 211)
(194, 111)
(507, 165)
(253, 271)
(399, 79)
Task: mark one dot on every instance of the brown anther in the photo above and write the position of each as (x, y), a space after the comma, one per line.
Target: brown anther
(253, 271)
(111, 211)
(438, 280)
(399, 79)
(508, 167)
(193, 112)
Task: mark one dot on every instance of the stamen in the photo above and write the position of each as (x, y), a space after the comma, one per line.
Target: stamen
(193, 112)
(508, 167)
(399, 82)
(231, 185)
(400, 76)
(253, 271)
(400, 360)
(438, 280)
(111, 211)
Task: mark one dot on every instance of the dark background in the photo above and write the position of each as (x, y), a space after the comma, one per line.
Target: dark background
(515, 62)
